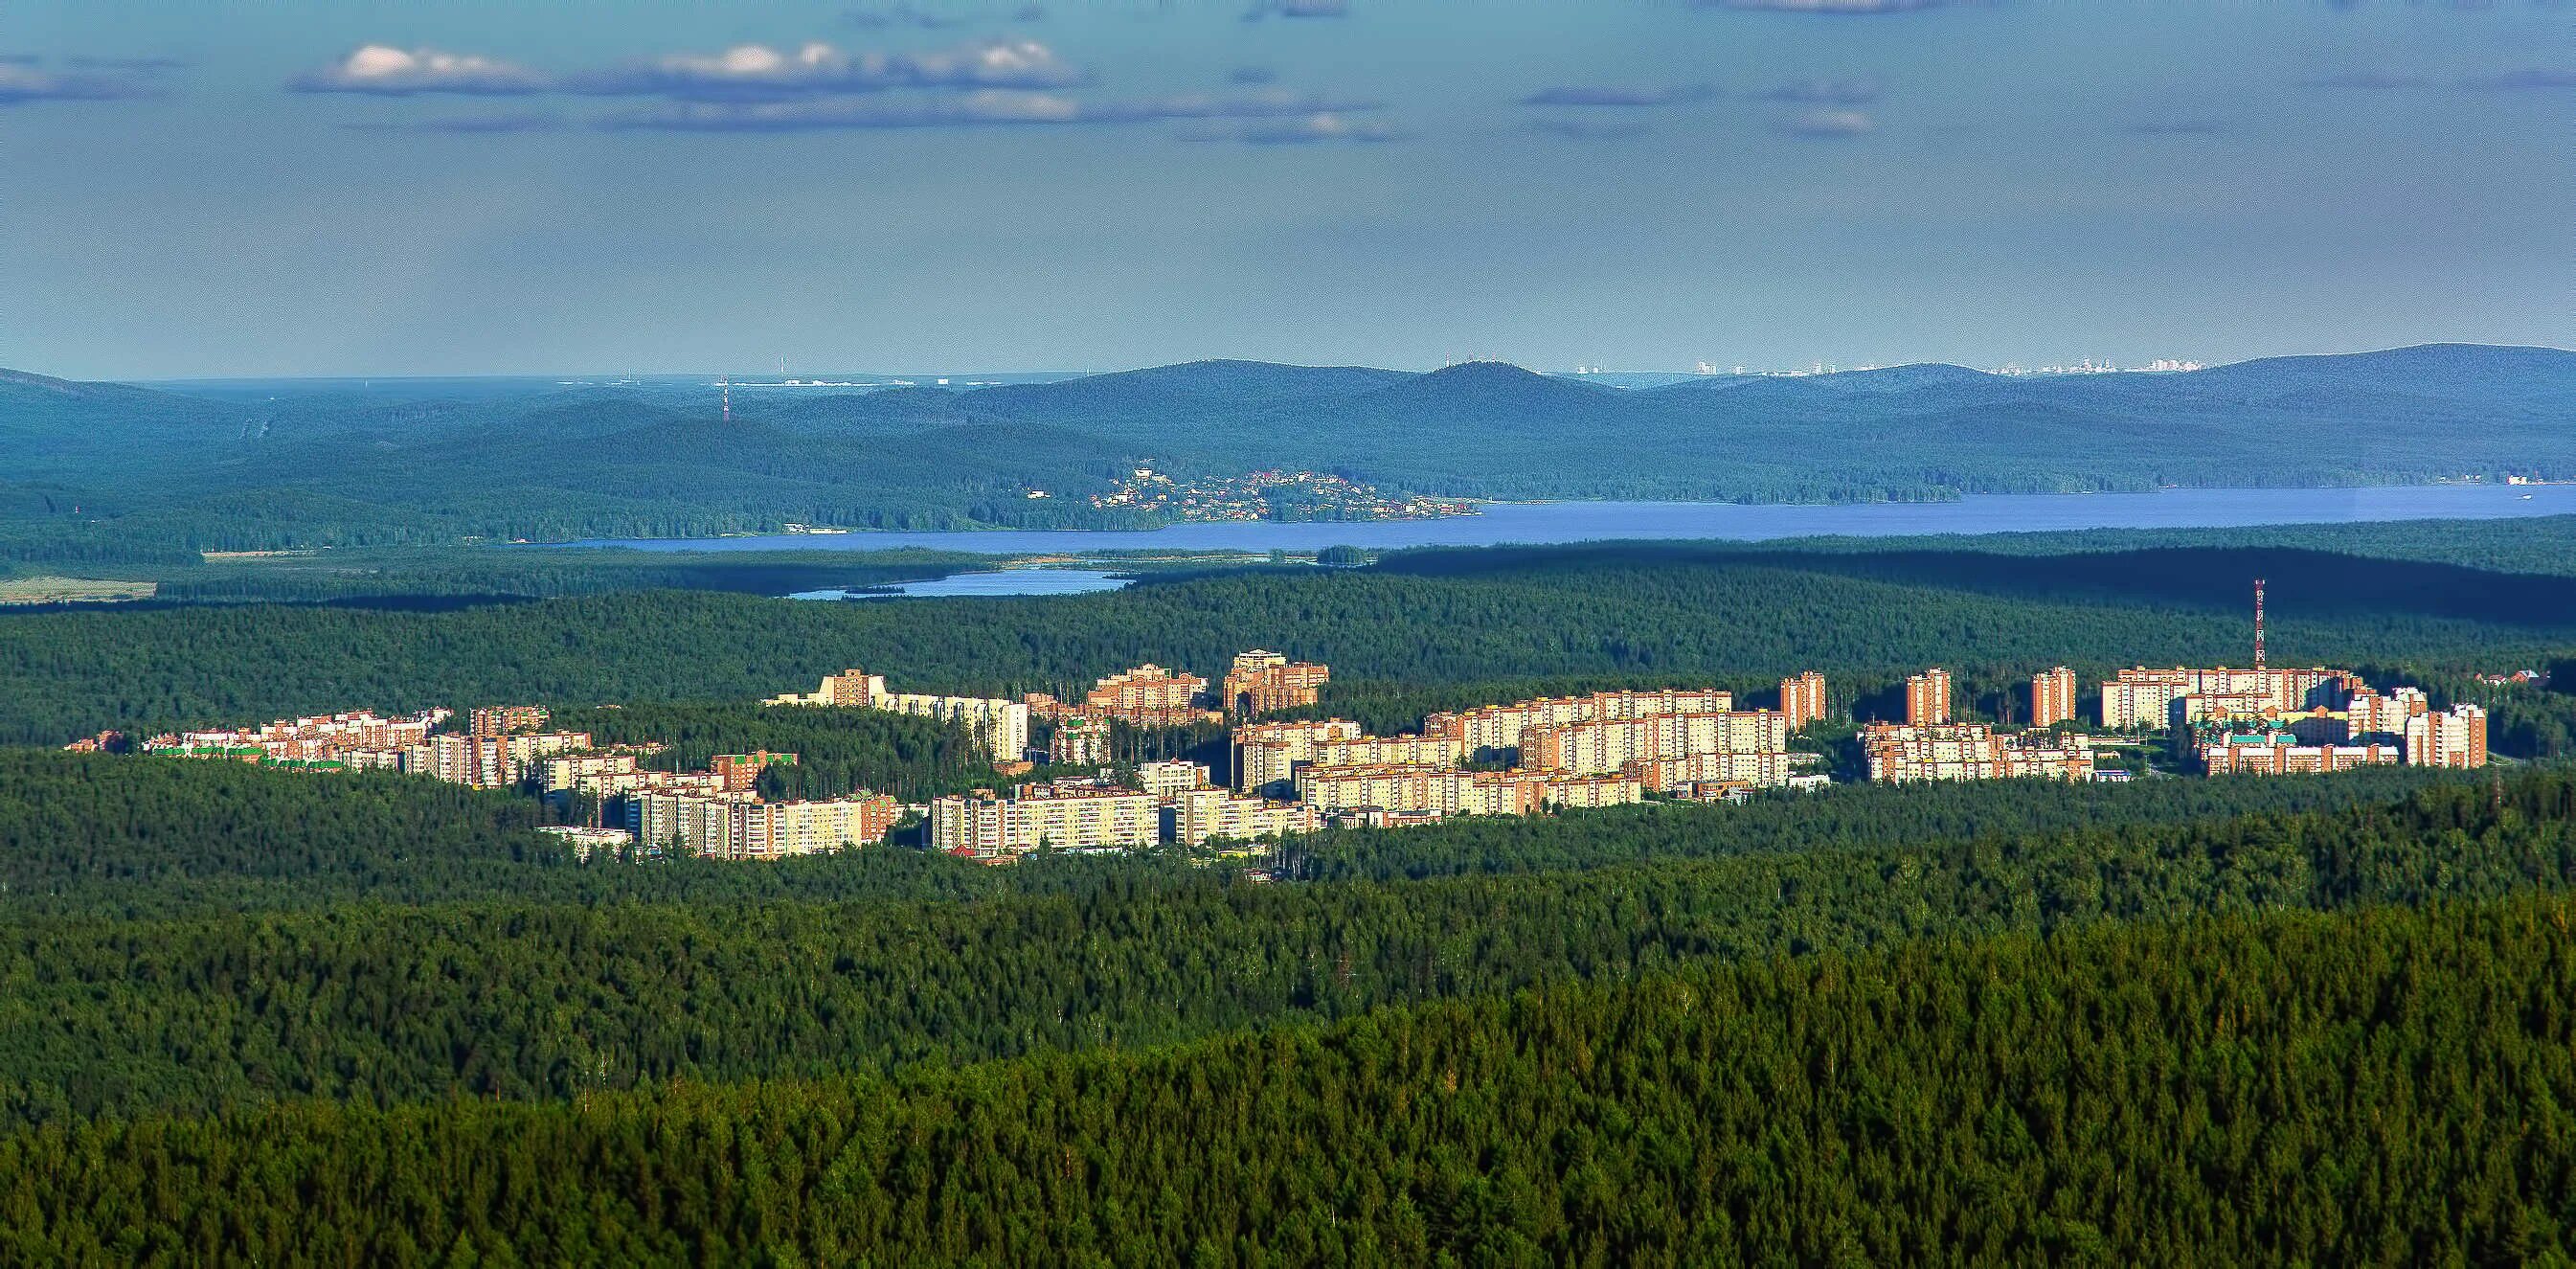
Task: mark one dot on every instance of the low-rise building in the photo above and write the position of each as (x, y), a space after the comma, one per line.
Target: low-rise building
(1261, 681)
(1079, 740)
(1902, 753)
(1148, 695)
(2279, 753)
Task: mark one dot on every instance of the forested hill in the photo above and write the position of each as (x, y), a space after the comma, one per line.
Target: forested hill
(104, 464)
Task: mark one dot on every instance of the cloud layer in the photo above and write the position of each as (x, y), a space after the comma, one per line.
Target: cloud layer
(23, 82)
(1003, 108)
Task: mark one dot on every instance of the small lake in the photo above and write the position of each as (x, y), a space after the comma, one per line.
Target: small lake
(1009, 581)
(1541, 523)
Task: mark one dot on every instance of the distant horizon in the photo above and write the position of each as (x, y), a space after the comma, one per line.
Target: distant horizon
(755, 377)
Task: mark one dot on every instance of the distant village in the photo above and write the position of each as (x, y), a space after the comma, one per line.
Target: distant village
(1268, 495)
(1285, 777)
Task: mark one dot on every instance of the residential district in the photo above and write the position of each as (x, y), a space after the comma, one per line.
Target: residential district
(1297, 776)
(1284, 777)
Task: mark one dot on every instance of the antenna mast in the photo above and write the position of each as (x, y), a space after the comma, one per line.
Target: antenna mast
(2258, 623)
(724, 383)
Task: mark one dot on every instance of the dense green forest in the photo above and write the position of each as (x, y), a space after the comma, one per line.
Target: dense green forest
(2243, 1088)
(1407, 633)
(103, 472)
(528, 998)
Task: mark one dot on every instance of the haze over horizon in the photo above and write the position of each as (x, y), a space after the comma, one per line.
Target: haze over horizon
(330, 190)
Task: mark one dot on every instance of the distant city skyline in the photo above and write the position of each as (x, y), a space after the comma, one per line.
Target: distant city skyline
(298, 188)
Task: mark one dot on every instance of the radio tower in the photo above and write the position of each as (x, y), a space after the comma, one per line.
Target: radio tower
(725, 385)
(2258, 623)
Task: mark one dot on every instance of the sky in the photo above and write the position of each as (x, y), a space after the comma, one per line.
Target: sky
(438, 187)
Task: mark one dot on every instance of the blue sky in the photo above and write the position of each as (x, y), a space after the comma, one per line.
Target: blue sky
(311, 187)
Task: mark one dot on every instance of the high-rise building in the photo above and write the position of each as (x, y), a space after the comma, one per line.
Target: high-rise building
(2052, 697)
(1927, 698)
(1263, 681)
(1802, 699)
(2457, 738)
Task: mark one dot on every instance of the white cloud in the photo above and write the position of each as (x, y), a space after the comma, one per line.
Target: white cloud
(385, 70)
(760, 71)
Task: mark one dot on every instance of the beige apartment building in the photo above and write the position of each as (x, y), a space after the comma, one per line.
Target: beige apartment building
(1204, 814)
(736, 825)
(983, 825)
(1000, 727)
(1266, 754)
(2141, 697)
(1609, 745)
(2457, 738)
(1492, 729)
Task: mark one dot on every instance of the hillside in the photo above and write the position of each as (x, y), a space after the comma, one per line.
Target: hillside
(103, 467)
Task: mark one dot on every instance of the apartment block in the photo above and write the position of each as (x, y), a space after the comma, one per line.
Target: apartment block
(736, 825)
(739, 772)
(1066, 816)
(1000, 727)
(1262, 681)
(501, 720)
(1266, 754)
(1449, 791)
(1769, 769)
(1167, 780)
(2141, 697)
(2368, 714)
(2278, 753)
(1148, 695)
(1203, 814)
(2052, 697)
(1927, 698)
(1496, 729)
(2457, 738)
(1607, 746)
(1802, 699)
(1079, 741)
(1901, 754)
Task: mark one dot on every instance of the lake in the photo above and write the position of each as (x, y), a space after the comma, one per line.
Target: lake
(1544, 523)
(1009, 581)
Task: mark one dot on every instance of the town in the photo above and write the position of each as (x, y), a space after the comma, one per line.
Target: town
(1267, 495)
(1284, 777)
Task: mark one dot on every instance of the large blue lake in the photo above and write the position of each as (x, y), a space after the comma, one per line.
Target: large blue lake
(1551, 522)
